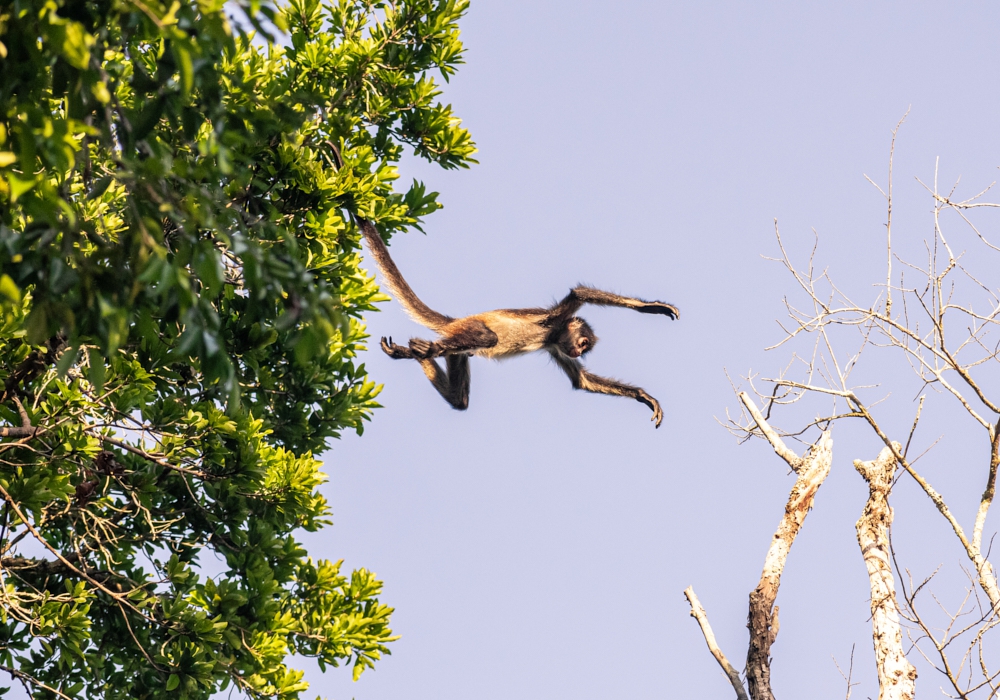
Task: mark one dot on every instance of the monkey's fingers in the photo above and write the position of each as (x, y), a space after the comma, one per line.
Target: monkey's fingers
(660, 307)
(655, 406)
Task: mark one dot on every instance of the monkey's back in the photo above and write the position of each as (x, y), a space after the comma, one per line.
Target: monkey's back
(518, 331)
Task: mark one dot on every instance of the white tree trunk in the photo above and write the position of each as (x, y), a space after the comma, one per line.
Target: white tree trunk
(896, 675)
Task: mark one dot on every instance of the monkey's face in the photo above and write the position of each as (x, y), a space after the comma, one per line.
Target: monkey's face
(578, 339)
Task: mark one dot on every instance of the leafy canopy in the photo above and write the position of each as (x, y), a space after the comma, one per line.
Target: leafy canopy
(180, 319)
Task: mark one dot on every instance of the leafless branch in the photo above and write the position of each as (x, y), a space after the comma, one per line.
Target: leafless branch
(699, 614)
(782, 450)
(847, 676)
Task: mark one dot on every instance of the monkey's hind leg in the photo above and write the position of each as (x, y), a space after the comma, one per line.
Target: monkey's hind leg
(453, 384)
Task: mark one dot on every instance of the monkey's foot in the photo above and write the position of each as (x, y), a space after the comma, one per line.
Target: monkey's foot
(396, 352)
(422, 349)
(660, 307)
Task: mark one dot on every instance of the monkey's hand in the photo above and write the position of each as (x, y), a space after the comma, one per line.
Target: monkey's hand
(396, 352)
(653, 404)
(659, 307)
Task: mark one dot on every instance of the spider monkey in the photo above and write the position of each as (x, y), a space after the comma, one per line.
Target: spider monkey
(505, 333)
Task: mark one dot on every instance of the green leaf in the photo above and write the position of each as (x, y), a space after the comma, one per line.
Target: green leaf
(100, 91)
(149, 117)
(186, 65)
(209, 269)
(67, 360)
(306, 346)
(9, 290)
(100, 187)
(96, 370)
(19, 185)
(173, 680)
(72, 41)
(37, 325)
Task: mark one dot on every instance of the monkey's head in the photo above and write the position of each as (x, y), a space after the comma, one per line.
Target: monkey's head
(577, 338)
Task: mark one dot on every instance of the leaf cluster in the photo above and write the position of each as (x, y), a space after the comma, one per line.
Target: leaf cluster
(181, 312)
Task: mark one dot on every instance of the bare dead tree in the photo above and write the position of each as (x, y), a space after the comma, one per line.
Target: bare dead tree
(811, 470)
(937, 356)
(942, 326)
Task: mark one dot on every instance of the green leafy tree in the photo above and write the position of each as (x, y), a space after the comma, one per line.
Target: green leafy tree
(180, 323)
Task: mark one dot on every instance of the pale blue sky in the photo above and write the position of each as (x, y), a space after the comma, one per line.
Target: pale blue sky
(537, 546)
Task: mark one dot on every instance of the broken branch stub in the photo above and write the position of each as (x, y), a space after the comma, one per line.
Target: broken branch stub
(780, 448)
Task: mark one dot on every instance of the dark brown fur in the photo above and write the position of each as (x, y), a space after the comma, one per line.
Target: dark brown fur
(505, 333)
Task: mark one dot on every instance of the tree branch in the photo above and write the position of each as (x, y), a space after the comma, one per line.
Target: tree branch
(118, 597)
(34, 364)
(699, 614)
(783, 451)
(25, 678)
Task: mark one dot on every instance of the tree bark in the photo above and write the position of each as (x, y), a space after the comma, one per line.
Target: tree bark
(812, 469)
(896, 675)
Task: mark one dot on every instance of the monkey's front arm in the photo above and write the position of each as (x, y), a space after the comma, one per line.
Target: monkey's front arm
(582, 379)
(581, 295)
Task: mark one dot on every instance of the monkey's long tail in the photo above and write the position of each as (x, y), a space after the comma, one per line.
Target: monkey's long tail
(418, 310)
